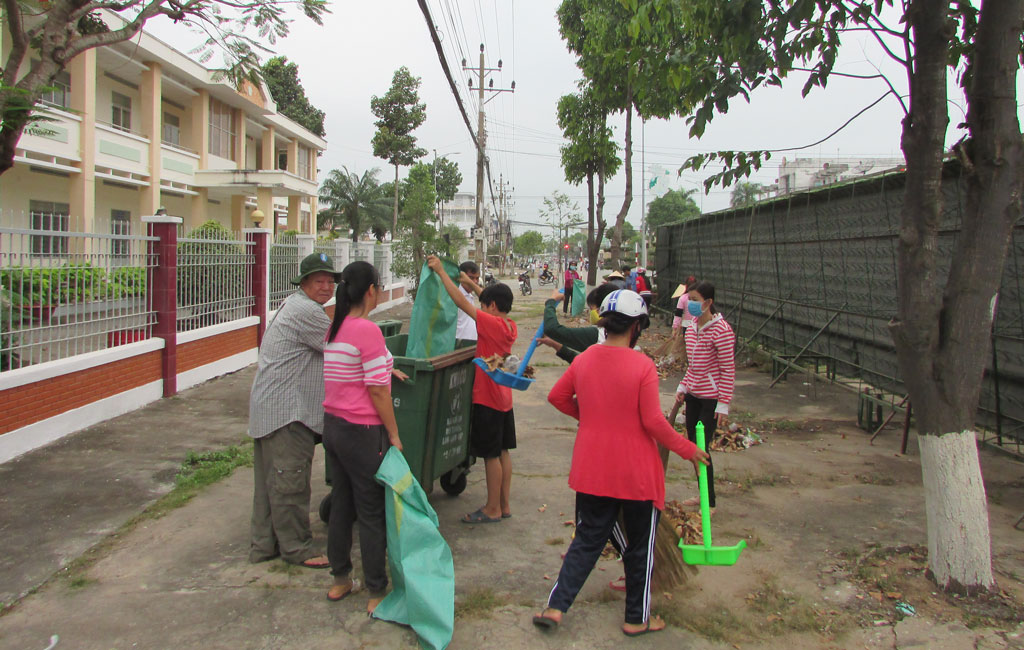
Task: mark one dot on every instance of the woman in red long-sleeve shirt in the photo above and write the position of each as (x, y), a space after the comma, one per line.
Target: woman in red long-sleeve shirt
(615, 425)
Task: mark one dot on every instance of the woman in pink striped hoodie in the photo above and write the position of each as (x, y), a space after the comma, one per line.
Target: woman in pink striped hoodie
(706, 389)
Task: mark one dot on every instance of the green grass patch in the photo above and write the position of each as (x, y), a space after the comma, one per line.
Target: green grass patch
(280, 566)
(554, 541)
(479, 603)
(81, 581)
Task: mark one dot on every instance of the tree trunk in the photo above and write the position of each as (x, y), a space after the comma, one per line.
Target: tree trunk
(591, 254)
(942, 330)
(394, 220)
(620, 218)
(601, 223)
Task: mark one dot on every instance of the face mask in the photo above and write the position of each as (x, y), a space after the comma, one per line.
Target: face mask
(594, 317)
(694, 308)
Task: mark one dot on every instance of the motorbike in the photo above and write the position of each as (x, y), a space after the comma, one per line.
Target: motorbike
(489, 280)
(524, 284)
(546, 277)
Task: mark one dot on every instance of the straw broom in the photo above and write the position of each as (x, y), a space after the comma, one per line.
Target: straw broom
(669, 569)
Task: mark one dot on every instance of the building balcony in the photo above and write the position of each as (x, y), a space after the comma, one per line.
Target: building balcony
(178, 164)
(249, 180)
(121, 150)
(58, 137)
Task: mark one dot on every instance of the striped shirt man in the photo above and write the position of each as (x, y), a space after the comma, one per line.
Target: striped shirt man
(711, 363)
(289, 384)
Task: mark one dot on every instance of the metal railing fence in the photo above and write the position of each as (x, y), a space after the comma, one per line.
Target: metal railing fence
(65, 292)
(214, 285)
(284, 265)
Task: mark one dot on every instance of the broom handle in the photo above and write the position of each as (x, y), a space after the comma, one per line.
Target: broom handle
(529, 351)
(702, 482)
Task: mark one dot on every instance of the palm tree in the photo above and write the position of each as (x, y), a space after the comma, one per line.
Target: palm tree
(352, 200)
(746, 194)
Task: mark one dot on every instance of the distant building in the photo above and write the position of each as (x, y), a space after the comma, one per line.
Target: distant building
(805, 173)
(461, 211)
(137, 126)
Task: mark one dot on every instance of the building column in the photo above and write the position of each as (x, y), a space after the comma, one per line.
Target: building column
(201, 143)
(293, 156)
(239, 138)
(237, 212)
(82, 201)
(294, 207)
(152, 126)
(265, 202)
(306, 243)
(269, 149)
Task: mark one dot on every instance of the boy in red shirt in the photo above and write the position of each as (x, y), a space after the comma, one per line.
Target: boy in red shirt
(493, 431)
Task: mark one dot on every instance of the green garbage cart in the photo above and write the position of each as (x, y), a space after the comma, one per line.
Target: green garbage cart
(390, 327)
(433, 413)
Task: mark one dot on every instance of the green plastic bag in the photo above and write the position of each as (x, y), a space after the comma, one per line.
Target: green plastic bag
(434, 315)
(422, 571)
(579, 297)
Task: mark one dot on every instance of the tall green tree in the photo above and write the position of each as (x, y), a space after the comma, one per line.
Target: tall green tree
(46, 36)
(447, 179)
(529, 243)
(354, 200)
(561, 213)
(945, 302)
(674, 205)
(589, 153)
(623, 66)
(399, 112)
(282, 79)
(417, 222)
(745, 194)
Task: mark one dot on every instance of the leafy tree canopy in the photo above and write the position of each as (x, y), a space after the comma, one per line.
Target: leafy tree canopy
(745, 194)
(590, 148)
(399, 112)
(529, 243)
(675, 205)
(447, 178)
(282, 78)
(358, 202)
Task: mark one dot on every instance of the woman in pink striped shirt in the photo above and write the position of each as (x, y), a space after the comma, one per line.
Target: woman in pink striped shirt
(706, 389)
(359, 427)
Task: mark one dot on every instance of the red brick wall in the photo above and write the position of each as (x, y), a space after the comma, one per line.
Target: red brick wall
(397, 292)
(214, 348)
(24, 405)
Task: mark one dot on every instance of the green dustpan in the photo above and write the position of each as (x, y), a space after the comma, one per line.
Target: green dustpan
(707, 554)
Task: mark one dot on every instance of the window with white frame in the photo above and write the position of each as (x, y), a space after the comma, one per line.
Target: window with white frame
(120, 224)
(222, 130)
(305, 168)
(52, 218)
(172, 129)
(120, 111)
(59, 93)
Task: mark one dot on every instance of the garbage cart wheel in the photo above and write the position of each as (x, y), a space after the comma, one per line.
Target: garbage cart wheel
(325, 509)
(454, 486)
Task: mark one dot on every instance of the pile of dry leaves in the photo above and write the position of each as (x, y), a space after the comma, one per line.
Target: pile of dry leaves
(497, 362)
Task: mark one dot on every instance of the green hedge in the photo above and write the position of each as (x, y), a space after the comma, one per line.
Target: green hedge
(72, 283)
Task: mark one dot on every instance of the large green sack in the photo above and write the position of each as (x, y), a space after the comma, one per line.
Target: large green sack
(579, 297)
(434, 315)
(422, 571)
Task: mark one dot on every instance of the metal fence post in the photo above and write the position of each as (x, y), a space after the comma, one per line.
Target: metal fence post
(259, 277)
(163, 294)
(306, 243)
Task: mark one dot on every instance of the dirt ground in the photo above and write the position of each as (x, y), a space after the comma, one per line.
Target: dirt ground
(835, 529)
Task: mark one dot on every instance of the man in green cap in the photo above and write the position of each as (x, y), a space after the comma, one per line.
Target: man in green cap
(286, 418)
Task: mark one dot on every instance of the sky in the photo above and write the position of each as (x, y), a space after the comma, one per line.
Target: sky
(355, 53)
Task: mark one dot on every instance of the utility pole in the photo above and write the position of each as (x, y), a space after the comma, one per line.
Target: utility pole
(481, 142)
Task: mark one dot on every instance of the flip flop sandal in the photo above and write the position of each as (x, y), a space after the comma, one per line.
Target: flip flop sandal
(647, 628)
(352, 588)
(618, 584)
(479, 517)
(315, 565)
(545, 622)
(506, 516)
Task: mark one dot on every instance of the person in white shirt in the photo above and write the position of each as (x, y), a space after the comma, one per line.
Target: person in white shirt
(465, 327)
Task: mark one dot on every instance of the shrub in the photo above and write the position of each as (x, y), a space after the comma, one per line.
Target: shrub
(209, 272)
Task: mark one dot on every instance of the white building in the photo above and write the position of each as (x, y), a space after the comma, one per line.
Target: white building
(138, 126)
(806, 173)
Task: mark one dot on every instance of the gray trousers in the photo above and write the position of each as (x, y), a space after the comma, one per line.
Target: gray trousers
(354, 454)
(282, 463)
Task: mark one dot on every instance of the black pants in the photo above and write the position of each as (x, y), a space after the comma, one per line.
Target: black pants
(354, 454)
(595, 518)
(568, 299)
(703, 410)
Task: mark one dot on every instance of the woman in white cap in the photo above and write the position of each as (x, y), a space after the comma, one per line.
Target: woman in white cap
(615, 424)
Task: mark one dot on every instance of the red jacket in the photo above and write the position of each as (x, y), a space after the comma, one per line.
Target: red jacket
(711, 362)
(613, 392)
